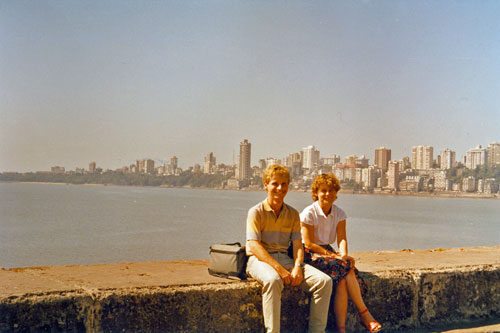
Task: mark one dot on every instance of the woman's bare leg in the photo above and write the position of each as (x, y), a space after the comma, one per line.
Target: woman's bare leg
(354, 291)
(355, 295)
(340, 304)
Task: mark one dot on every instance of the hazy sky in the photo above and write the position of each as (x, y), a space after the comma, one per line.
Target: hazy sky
(116, 81)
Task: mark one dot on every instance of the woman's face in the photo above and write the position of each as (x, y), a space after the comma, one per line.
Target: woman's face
(326, 195)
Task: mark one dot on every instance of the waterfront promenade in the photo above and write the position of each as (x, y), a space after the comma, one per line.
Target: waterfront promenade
(408, 290)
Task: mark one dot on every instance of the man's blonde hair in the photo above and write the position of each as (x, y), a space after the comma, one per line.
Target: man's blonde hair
(274, 170)
(329, 179)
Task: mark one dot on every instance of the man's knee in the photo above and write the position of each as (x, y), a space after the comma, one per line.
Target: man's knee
(328, 283)
(272, 284)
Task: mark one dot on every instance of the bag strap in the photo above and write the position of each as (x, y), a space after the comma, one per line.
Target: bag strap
(237, 243)
(231, 276)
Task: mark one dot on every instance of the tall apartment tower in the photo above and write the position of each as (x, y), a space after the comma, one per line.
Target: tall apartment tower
(422, 157)
(244, 169)
(149, 166)
(173, 162)
(493, 151)
(393, 175)
(310, 157)
(382, 158)
(475, 157)
(209, 164)
(447, 159)
(92, 166)
(140, 166)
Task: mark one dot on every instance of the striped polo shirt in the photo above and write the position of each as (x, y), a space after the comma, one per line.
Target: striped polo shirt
(275, 233)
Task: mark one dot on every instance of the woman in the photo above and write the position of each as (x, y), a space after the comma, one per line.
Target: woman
(323, 222)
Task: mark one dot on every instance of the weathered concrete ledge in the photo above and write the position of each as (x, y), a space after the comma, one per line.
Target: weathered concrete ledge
(407, 289)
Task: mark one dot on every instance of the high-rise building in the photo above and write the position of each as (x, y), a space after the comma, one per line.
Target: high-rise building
(422, 157)
(493, 151)
(291, 159)
(475, 157)
(140, 166)
(369, 177)
(393, 175)
(382, 158)
(149, 166)
(310, 157)
(92, 167)
(362, 161)
(244, 169)
(447, 159)
(262, 164)
(173, 162)
(209, 164)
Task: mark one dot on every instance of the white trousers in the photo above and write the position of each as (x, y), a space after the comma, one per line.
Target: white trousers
(315, 282)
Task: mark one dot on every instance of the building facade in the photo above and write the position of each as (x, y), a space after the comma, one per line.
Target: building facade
(209, 164)
(422, 157)
(448, 160)
(382, 158)
(310, 157)
(469, 184)
(244, 168)
(475, 157)
(493, 151)
(393, 175)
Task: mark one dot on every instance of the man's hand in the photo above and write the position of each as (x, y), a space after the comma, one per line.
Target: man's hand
(297, 276)
(284, 275)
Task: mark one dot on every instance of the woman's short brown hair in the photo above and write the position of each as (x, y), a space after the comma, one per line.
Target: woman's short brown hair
(274, 170)
(329, 179)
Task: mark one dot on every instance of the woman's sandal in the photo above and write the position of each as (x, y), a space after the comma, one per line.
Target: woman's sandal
(340, 328)
(373, 326)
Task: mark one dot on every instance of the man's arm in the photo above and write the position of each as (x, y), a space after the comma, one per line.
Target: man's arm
(261, 253)
(298, 256)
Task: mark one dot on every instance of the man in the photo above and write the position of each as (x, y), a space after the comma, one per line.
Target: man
(271, 225)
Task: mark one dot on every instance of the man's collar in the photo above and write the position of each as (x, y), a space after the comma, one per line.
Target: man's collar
(267, 206)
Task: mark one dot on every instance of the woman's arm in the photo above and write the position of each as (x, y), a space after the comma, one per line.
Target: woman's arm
(342, 238)
(307, 236)
(342, 242)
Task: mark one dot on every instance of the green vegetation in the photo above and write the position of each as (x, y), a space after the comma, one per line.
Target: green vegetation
(457, 174)
(350, 184)
(119, 178)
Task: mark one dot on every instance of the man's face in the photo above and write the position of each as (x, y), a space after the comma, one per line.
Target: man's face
(277, 188)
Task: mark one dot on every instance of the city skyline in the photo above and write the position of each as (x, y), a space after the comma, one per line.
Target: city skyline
(115, 82)
(424, 159)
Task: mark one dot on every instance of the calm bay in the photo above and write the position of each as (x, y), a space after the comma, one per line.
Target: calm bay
(49, 224)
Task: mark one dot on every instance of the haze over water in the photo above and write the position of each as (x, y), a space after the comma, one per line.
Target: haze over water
(45, 224)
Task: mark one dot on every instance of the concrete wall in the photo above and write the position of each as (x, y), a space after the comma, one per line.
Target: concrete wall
(399, 299)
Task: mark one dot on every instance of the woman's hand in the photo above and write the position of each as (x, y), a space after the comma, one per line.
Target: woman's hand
(330, 253)
(346, 258)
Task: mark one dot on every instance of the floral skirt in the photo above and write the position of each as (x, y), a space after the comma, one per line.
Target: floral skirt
(335, 268)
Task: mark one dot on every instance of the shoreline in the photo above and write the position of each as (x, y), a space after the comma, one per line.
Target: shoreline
(462, 195)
